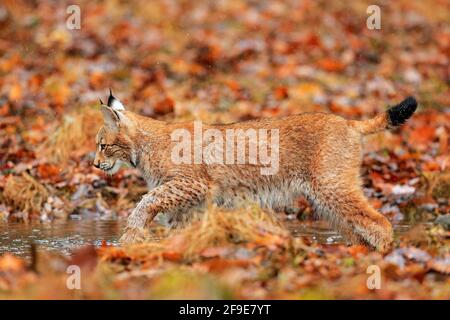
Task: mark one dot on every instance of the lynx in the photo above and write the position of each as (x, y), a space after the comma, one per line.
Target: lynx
(320, 157)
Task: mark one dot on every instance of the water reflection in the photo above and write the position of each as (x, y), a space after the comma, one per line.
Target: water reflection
(65, 236)
(62, 236)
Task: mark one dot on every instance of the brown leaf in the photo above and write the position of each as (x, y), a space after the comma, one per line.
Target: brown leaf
(85, 257)
(164, 106)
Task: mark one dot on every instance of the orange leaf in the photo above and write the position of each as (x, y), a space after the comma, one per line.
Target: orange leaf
(218, 264)
(422, 135)
(281, 93)
(4, 110)
(15, 93)
(97, 79)
(164, 106)
(233, 85)
(357, 250)
(46, 170)
(172, 256)
(331, 65)
(10, 263)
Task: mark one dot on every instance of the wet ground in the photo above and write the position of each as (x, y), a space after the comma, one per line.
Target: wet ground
(65, 236)
(61, 236)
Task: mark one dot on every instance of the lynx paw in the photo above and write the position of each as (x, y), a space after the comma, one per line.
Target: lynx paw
(385, 246)
(134, 235)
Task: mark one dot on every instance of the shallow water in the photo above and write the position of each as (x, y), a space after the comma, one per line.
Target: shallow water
(66, 236)
(61, 236)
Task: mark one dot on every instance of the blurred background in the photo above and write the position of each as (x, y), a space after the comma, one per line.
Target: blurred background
(216, 61)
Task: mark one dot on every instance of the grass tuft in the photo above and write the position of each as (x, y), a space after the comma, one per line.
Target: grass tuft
(216, 227)
(219, 227)
(74, 138)
(25, 194)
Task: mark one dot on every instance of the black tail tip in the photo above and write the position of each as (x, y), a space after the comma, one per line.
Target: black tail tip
(401, 112)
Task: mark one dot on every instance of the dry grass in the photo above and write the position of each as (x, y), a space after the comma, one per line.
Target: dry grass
(217, 227)
(437, 184)
(74, 137)
(24, 193)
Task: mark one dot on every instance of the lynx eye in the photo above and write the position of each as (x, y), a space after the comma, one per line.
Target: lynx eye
(102, 146)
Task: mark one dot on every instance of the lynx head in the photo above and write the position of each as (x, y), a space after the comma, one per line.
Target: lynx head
(114, 140)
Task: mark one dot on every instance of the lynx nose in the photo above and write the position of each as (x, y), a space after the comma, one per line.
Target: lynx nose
(96, 164)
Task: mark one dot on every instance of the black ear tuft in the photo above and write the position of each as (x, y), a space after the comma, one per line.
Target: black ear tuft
(101, 102)
(110, 98)
(114, 103)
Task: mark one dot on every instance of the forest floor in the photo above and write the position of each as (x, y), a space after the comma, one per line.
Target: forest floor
(223, 62)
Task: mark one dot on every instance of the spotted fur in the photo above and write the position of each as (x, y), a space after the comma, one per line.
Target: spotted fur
(320, 158)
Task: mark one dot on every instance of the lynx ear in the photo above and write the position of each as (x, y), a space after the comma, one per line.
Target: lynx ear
(115, 119)
(114, 103)
(113, 114)
(110, 117)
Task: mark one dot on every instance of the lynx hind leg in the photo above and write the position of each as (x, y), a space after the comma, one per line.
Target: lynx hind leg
(351, 213)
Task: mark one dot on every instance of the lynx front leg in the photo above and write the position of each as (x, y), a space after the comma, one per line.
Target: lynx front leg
(177, 193)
